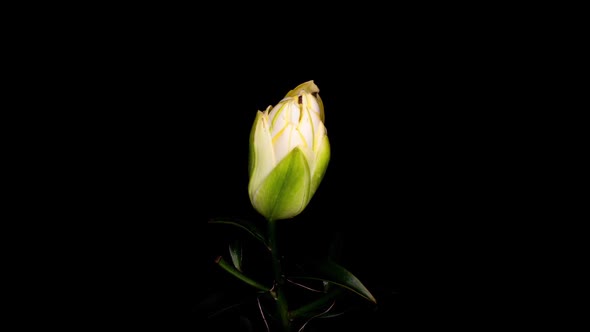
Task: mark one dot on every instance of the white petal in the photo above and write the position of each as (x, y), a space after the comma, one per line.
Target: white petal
(263, 151)
(285, 141)
(306, 127)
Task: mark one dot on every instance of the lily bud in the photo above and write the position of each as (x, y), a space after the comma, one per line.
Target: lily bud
(289, 153)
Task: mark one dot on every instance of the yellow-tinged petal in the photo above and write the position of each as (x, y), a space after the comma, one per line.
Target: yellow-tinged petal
(308, 87)
(285, 141)
(262, 159)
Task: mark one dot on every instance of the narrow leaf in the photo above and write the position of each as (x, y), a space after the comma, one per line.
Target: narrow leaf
(236, 251)
(226, 266)
(328, 270)
(311, 309)
(245, 225)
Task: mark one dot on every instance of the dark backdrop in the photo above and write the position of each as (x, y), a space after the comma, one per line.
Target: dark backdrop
(167, 125)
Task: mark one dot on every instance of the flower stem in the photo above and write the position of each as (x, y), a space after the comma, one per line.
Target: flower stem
(279, 278)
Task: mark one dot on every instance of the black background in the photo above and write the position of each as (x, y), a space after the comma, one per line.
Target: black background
(159, 143)
(399, 189)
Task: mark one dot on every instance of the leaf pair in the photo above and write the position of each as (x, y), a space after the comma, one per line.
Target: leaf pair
(323, 269)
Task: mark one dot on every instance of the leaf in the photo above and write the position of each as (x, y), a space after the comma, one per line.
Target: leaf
(236, 252)
(232, 270)
(311, 309)
(328, 270)
(250, 227)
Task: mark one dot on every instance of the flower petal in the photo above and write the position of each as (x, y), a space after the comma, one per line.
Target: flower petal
(261, 159)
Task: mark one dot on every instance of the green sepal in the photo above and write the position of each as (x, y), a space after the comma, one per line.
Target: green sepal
(285, 191)
(322, 160)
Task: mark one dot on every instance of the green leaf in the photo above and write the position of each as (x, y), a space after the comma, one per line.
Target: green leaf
(236, 252)
(311, 309)
(250, 227)
(328, 270)
(232, 270)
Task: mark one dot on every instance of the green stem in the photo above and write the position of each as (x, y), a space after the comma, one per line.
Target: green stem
(279, 278)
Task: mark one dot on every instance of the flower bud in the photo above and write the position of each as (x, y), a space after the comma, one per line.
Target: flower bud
(289, 153)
